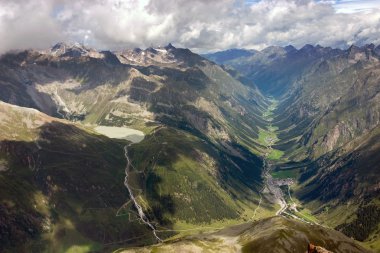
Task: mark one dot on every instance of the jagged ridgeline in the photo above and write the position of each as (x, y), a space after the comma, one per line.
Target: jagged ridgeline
(328, 119)
(103, 151)
(62, 182)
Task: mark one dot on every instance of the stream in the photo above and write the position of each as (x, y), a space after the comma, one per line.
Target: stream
(140, 211)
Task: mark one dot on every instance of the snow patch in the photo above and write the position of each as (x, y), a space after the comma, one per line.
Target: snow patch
(161, 50)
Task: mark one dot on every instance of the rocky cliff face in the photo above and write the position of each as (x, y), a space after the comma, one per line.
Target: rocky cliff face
(69, 180)
(329, 96)
(166, 84)
(344, 104)
(328, 117)
(316, 249)
(203, 128)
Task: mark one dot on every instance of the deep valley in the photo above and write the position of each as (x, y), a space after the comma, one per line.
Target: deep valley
(165, 150)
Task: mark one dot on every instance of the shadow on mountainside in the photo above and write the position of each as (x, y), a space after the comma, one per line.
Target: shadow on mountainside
(66, 190)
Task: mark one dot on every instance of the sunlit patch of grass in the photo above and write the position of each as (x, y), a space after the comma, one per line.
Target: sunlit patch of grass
(285, 173)
(41, 203)
(272, 128)
(265, 136)
(80, 249)
(306, 215)
(275, 154)
(65, 238)
(373, 241)
(268, 137)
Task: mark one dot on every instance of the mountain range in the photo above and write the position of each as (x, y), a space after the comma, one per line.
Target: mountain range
(165, 150)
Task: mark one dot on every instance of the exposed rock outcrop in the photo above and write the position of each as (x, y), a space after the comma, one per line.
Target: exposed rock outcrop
(316, 249)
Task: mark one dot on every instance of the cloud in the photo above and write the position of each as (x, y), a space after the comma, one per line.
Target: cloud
(27, 24)
(197, 24)
(352, 6)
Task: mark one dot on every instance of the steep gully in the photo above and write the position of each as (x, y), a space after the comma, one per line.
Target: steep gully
(140, 211)
(141, 214)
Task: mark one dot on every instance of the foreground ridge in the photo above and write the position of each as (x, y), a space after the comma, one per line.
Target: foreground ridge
(316, 249)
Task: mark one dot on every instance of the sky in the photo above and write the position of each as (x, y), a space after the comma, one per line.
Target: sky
(201, 25)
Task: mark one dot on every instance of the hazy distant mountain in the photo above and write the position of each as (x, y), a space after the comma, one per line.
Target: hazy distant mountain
(228, 55)
(193, 158)
(278, 132)
(328, 118)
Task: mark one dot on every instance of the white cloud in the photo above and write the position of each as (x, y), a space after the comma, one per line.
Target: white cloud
(352, 6)
(197, 24)
(27, 24)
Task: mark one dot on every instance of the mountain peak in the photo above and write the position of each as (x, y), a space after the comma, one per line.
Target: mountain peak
(137, 50)
(353, 48)
(370, 46)
(169, 46)
(307, 48)
(67, 45)
(290, 48)
(74, 49)
(59, 46)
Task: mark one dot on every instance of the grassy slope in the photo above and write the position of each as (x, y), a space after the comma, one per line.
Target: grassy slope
(180, 161)
(64, 191)
(79, 201)
(356, 164)
(183, 171)
(275, 234)
(268, 133)
(335, 104)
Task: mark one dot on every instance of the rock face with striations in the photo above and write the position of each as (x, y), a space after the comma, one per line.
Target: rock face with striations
(58, 182)
(329, 114)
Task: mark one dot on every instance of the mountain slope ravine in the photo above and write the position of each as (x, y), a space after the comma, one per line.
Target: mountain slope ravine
(140, 211)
